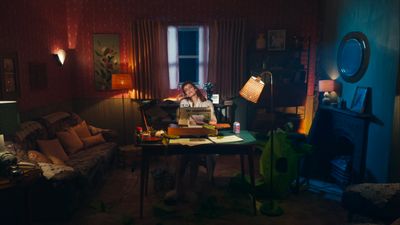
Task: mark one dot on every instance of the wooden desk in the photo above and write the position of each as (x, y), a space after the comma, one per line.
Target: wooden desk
(245, 147)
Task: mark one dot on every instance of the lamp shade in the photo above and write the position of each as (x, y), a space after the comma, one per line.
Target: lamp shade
(251, 91)
(328, 86)
(9, 119)
(121, 81)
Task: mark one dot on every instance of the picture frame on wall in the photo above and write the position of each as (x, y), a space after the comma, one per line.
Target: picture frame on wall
(9, 76)
(359, 100)
(106, 59)
(276, 40)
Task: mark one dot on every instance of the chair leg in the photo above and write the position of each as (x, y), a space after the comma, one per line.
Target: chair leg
(349, 217)
(211, 161)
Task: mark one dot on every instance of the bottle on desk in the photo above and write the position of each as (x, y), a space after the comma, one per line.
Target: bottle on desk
(139, 131)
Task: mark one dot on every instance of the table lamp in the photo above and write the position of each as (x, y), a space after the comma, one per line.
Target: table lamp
(330, 89)
(122, 81)
(9, 121)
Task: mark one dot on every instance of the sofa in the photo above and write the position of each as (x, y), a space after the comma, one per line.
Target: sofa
(60, 192)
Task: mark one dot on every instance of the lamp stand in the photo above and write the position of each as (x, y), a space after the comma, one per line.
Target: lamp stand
(123, 116)
(272, 207)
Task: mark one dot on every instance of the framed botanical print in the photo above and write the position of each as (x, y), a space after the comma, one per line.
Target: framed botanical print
(106, 59)
(9, 76)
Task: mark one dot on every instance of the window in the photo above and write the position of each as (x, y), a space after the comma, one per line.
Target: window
(187, 54)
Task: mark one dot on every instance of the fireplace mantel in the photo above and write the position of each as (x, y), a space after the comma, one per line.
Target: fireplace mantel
(329, 125)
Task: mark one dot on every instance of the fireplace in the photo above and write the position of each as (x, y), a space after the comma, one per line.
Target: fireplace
(340, 139)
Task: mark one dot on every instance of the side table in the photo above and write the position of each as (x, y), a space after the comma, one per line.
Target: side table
(18, 191)
(129, 154)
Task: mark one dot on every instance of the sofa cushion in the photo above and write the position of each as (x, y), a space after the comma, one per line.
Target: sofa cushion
(29, 132)
(70, 141)
(53, 150)
(59, 121)
(38, 157)
(82, 130)
(89, 159)
(93, 140)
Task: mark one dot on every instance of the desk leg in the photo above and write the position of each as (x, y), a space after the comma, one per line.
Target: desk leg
(242, 165)
(142, 183)
(252, 178)
(146, 182)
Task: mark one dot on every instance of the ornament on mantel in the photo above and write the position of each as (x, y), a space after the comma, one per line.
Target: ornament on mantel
(261, 42)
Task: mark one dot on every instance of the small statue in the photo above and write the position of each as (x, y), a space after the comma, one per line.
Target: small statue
(208, 87)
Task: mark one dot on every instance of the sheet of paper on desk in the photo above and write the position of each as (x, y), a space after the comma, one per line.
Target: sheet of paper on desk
(190, 141)
(225, 139)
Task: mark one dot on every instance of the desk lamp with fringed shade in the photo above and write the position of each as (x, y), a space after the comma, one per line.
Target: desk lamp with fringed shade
(122, 81)
(251, 91)
(9, 120)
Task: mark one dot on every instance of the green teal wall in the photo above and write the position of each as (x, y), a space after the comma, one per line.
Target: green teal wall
(379, 21)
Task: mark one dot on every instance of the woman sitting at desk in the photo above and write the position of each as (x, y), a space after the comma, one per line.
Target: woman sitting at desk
(192, 97)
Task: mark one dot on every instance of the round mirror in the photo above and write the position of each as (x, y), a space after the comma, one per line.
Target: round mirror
(353, 56)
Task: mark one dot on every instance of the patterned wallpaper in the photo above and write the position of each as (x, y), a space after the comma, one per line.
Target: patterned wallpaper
(35, 28)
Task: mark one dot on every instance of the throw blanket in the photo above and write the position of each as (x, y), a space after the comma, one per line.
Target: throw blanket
(50, 170)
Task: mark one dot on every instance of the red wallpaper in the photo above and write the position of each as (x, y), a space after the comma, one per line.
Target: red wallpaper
(35, 28)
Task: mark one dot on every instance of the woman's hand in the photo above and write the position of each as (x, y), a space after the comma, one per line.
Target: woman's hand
(180, 97)
(213, 122)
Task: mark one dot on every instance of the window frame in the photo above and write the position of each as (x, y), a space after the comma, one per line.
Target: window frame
(173, 54)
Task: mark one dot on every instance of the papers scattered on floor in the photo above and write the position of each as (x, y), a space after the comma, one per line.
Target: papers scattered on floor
(225, 139)
(190, 141)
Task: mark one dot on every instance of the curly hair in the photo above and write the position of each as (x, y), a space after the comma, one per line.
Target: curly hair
(198, 92)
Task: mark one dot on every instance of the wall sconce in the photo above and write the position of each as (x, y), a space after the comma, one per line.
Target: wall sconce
(60, 56)
(330, 89)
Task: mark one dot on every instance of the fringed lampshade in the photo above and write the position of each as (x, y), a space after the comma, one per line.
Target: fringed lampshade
(331, 88)
(328, 86)
(121, 81)
(251, 91)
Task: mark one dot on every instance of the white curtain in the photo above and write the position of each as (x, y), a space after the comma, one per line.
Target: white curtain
(173, 60)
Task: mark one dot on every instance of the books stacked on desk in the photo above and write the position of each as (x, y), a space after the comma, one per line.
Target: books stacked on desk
(191, 131)
(29, 169)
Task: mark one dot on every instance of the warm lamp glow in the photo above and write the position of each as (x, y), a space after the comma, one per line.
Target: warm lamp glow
(251, 91)
(328, 86)
(330, 89)
(121, 81)
(61, 55)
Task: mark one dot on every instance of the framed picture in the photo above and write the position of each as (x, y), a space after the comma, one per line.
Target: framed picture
(106, 59)
(215, 98)
(276, 40)
(9, 76)
(359, 100)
